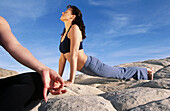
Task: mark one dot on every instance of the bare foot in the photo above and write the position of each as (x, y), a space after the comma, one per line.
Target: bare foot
(131, 79)
(150, 73)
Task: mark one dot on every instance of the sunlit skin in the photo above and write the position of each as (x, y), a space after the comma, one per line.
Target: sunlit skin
(75, 57)
(52, 81)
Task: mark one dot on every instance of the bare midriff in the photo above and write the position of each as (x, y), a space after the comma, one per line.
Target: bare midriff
(81, 59)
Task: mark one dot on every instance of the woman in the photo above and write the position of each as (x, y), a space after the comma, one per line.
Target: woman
(24, 91)
(71, 48)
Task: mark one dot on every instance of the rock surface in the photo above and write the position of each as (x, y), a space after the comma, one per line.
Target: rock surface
(160, 105)
(123, 95)
(129, 98)
(77, 103)
(91, 93)
(6, 73)
(163, 73)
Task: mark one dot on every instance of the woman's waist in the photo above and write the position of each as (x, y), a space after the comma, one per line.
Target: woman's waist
(81, 60)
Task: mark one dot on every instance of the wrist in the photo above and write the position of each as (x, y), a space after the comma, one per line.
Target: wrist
(41, 69)
(71, 80)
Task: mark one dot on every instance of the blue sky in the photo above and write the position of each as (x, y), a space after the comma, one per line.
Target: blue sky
(118, 31)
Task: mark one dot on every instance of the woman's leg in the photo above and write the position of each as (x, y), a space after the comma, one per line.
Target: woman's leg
(96, 67)
(18, 92)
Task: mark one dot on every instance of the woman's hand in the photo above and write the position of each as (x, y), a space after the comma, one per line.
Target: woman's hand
(67, 83)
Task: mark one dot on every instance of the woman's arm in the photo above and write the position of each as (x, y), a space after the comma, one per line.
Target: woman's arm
(75, 39)
(62, 62)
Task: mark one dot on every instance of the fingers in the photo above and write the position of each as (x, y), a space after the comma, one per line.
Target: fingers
(46, 79)
(59, 79)
(56, 78)
(53, 92)
(63, 91)
(45, 94)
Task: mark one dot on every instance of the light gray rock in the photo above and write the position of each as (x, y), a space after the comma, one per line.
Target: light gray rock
(68, 93)
(84, 79)
(161, 62)
(163, 73)
(130, 98)
(114, 86)
(50, 96)
(74, 90)
(160, 83)
(167, 59)
(161, 105)
(77, 103)
(155, 67)
(84, 89)
(105, 84)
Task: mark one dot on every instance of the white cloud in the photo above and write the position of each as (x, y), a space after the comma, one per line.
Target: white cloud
(151, 51)
(17, 10)
(123, 23)
(109, 2)
(161, 16)
(119, 24)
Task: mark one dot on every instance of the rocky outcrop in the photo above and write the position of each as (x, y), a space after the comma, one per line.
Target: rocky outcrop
(129, 98)
(160, 105)
(163, 73)
(6, 73)
(77, 103)
(91, 93)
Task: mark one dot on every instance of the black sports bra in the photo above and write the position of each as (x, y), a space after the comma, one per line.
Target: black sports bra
(65, 44)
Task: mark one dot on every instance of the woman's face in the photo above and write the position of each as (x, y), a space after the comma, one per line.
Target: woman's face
(67, 15)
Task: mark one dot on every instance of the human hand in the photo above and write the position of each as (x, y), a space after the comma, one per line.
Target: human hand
(52, 82)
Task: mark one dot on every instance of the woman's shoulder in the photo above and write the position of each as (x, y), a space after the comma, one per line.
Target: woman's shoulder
(2, 19)
(75, 27)
(74, 31)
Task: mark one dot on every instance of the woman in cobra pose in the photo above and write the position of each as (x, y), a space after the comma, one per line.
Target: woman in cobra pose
(71, 48)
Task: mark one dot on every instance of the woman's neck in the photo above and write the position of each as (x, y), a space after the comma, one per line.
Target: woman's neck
(67, 25)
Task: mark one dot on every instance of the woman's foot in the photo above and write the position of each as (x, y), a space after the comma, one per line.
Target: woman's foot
(131, 79)
(150, 73)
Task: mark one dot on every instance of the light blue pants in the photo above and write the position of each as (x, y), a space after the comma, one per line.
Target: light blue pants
(95, 67)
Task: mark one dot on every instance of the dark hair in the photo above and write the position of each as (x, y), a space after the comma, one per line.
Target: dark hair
(78, 20)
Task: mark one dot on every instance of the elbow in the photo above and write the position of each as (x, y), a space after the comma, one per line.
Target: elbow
(74, 54)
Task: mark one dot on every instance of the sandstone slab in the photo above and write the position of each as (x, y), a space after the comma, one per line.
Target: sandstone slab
(115, 86)
(129, 98)
(84, 79)
(77, 103)
(159, 83)
(84, 89)
(163, 73)
(161, 105)
(7, 73)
